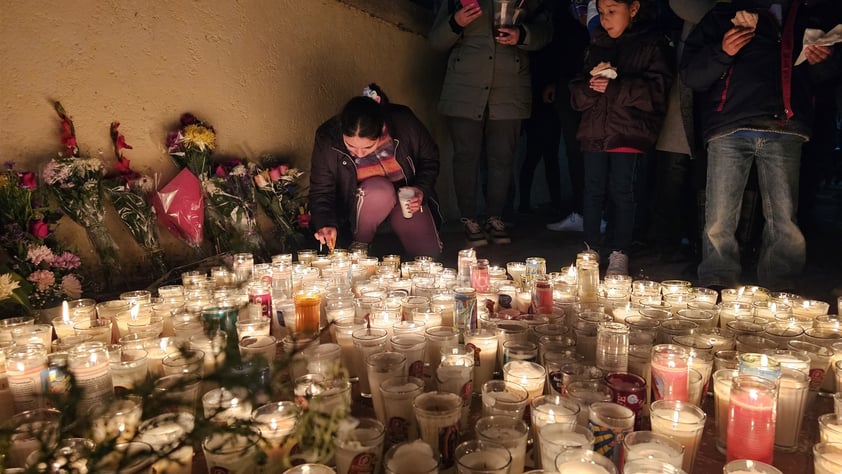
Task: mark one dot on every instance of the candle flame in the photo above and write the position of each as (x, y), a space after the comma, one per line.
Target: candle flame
(65, 312)
(571, 271)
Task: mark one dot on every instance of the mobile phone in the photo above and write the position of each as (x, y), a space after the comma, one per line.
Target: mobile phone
(467, 3)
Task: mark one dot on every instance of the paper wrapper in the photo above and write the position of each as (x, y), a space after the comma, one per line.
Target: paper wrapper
(181, 208)
(814, 37)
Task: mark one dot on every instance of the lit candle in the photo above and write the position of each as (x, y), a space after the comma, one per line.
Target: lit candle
(484, 344)
(276, 421)
(670, 375)
(529, 375)
(24, 365)
(681, 422)
(167, 435)
(91, 368)
(751, 419)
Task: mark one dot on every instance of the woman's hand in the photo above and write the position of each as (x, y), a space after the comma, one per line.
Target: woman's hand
(599, 84)
(326, 236)
(816, 54)
(414, 204)
(509, 36)
(735, 39)
(465, 16)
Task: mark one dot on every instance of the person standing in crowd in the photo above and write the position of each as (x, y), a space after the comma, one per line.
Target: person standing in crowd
(485, 96)
(622, 95)
(678, 150)
(360, 159)
(756, 108)
(573, 38)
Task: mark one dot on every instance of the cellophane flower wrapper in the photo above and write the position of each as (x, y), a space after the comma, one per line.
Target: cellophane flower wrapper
(139, 216)
(180, 208)
(76, 185)
(231, 208)
(278, 194)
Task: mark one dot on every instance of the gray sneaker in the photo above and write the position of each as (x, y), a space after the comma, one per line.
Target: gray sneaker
(474, 233)
(496, 229)
(618, 264)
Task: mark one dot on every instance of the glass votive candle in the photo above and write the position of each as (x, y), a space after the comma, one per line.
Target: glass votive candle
(398, 395)
(99, 330)
(382, 366)
(722, 380)
(586, 392)
(188, 362)
(819, 360)
(167, 435)
(367, 342)
(90, 365)
(611, 422)
(232, 452)
(704, 318)
(32, 430)
(412, 346)
(830, 428)
(63, 326)
(438, 415)
(729, 311)
(116, 421)
(681, 422)
(748, 466)
(529, 375)
(751, 419)
(484, 344)
(827, 458)
(224, 407)
(792, 401)
(415, 457)
(629, 390)
(640, 445)
(670, 374)
(482, 457)
(360, 445)
(253, 327)
(260, 348)
(753, 343)
(584, 460)
(129, 368)
(500, 397)
(276, 421)
(507, 431)
(650, 466)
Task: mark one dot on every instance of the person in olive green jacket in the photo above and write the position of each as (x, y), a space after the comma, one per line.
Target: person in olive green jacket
(486, 94)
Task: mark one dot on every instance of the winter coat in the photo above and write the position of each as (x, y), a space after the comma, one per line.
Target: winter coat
(746, 91)
(333, 172)
(631, 111)
(483, 73)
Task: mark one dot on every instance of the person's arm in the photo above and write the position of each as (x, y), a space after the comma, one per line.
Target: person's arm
(582, 96)
(448, 26)
(323, 176)
(704, 61)
(648, 90)
(537, 31)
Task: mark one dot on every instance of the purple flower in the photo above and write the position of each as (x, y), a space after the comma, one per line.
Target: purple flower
(67, 261)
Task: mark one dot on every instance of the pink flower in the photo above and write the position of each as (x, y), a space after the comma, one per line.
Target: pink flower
(71, 286)
(220, 171)
(39, 229)
(278, 171)
(39, 253)
(27, 180)
(66, 261)
(42, 279)
(303, 220)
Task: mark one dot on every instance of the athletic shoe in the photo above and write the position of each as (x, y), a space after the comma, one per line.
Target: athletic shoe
(473, 233)
(496, 229)
(571, 223)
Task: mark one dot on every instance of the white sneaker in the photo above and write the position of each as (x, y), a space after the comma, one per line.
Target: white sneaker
(571, 223)
(618, 264)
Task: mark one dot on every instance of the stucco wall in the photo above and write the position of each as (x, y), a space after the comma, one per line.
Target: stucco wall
(265, 73)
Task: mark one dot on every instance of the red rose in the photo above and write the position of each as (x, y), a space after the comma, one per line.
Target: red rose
(39, 229)
(304, 220)
(27, 180)
(220, 171)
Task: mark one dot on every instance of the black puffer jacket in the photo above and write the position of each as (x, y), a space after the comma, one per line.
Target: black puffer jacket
(746, 91)
(631, 111)
(333, 173)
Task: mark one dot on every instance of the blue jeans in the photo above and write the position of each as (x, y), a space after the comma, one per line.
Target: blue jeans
(783, 249)
(617, 170)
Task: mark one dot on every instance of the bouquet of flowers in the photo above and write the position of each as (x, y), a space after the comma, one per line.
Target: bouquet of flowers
(192, 144)
(231, 208)
(129, 191)
(44, 272)
(76, 183)
(279, 195)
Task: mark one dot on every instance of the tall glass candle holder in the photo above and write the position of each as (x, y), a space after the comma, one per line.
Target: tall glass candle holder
(670, 376)
(682, 422)
(792, 401)
(751, 419)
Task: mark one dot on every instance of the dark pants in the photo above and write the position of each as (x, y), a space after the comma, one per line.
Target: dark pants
(377, 201)
(543, 134)
(500, 138)
(617, 170)
(673, 192)
(569, 119)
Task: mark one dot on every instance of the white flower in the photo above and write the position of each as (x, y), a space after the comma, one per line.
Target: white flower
(238, 170)
(7, 286)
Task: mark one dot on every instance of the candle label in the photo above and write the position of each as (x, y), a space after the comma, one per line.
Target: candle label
(605, 440)
(467, 390)
(472, 347)
(363, 463)
(504, 301)
(398, 430)
(556, 379)
(816, 378)
(448, 438)
(263, 304)
(416, 369)
(465, 312)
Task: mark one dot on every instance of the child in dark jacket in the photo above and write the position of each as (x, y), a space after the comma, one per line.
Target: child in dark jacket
(622, 94)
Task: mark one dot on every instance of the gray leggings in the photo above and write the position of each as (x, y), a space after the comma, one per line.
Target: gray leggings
(378, 200)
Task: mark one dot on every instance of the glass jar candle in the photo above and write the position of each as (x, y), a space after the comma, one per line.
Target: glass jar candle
(751, 419)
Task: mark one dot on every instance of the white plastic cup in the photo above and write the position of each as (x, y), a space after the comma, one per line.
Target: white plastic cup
(405, 193)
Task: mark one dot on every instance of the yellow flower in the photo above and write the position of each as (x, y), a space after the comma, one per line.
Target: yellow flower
(4, 180)
(200, 137)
